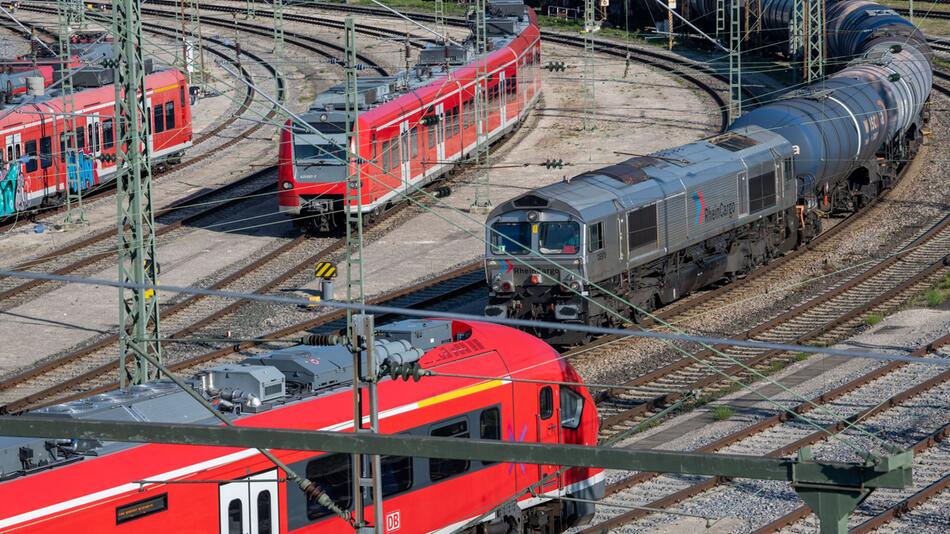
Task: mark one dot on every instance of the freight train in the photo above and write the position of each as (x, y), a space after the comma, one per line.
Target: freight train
(413, 127)
(33, 141)
(637, 235)
(60, 485)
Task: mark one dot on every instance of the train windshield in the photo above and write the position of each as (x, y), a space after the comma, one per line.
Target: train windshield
(329, 152)
(511, 238)
(562, 237)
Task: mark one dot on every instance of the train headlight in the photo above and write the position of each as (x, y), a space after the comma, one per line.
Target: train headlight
(575, 285)
(535, 278)
(496, 287)
(323, 117)
(507, 286)
(286, 186)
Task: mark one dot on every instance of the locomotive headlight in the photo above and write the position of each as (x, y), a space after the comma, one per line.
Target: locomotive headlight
(496, 287)
(323, 117)
(506, 286)
(575, 285)
(533, 216)
(287, 186)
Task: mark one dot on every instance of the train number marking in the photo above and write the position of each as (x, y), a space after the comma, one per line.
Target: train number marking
(393, 521)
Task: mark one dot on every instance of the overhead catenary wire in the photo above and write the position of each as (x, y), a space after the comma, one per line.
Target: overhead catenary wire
(519, 323)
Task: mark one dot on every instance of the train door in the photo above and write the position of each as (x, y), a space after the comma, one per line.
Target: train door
(548, 423)
(503, 97)
(94, 127)
(405, 158)
(151, 127)
(743, 193)
(13, 147)
(249, 505)
(440, 134)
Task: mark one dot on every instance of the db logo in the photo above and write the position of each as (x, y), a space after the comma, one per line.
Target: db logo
(393, 522)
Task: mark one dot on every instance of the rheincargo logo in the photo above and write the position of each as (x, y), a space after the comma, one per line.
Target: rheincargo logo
(700, 206)
(711, 213)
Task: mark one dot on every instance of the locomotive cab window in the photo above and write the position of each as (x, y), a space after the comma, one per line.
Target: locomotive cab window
(235, 517)
(511, 238)
(595, 237)
(572, 407)
(546, 402)
(561, 237)
(333, 474)
(762, 192)
(441, 468)
(80, 137)
(641, 227)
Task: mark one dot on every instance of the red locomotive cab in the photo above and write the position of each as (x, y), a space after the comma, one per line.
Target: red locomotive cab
(288, 199)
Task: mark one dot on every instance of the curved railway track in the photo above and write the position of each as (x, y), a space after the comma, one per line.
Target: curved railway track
(89, 252)
(103, 190)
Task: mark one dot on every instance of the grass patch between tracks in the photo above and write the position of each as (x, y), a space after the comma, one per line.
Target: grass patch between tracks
(721, 413)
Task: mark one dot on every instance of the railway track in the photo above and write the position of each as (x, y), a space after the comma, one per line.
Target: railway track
(823, 319)
(779, 434)
(63, 387)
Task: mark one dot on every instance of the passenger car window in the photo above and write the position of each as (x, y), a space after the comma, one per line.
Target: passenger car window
(511, 238)
(46, 152)
(559, 237)
(333, 474)
(595, 237)
(108, 139)
(441, 468)
(159, 121)
(489, 426)
(572, 407)
(32, 164)
(546, 402)
(169, 115)
(397, 474)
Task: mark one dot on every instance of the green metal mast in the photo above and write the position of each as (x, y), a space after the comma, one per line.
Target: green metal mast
(735, 60)
(278, 28)
(138, 308)
(353, 199)
(192, 43)
(814, 40)
(590, 26)
(70, 19)
(440, 18)
(360, 327)
(482, 203)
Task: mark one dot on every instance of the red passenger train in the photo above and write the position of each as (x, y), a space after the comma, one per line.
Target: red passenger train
(68, 486)
(32, 137)
(413, 127)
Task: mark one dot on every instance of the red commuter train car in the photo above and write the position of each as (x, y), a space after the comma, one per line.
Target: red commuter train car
(67, 486)
(413, 127)
(32, 136)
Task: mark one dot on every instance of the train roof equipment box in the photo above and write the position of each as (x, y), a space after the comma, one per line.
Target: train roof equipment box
(311, 368)
(421, 334)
